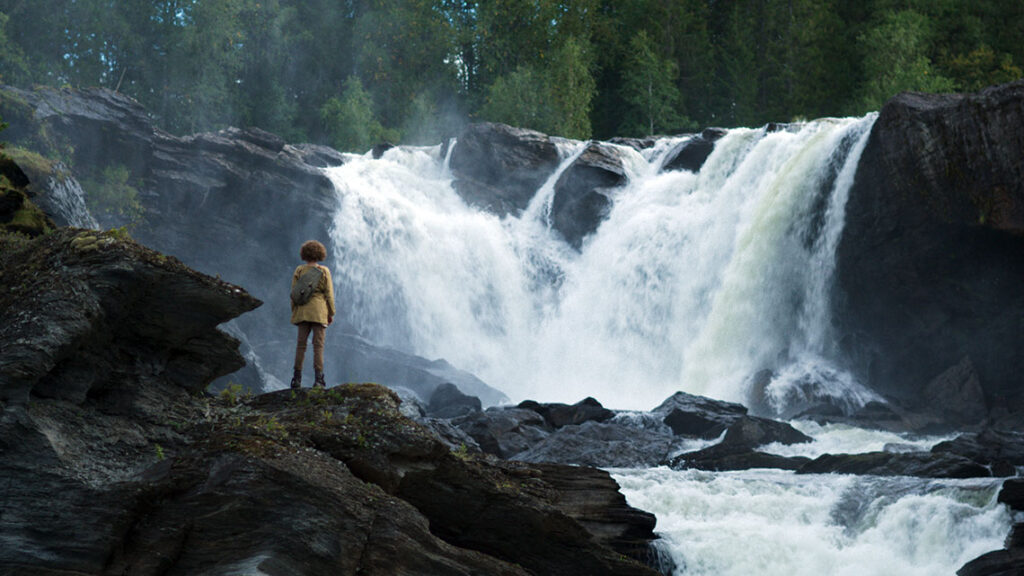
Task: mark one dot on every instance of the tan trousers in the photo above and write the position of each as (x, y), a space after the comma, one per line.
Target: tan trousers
(318, 331)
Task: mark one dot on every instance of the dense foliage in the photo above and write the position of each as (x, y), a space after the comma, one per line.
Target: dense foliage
(352, 72)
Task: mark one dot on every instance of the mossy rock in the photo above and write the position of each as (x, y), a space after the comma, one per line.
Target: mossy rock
(19, 214)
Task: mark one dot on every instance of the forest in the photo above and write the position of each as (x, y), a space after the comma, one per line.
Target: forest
(352, 73)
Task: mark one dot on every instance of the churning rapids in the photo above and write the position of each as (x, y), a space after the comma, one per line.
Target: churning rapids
(693, 282)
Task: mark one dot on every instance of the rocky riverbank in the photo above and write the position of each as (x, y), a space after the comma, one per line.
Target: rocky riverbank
(116, 462)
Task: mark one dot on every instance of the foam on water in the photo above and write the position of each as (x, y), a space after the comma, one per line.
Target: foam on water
(778, 523)
(845, 439)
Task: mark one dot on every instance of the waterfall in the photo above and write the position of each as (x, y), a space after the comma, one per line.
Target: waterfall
(66, 200)
(694, 281)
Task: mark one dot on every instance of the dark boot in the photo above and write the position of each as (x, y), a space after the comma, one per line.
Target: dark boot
(297, 380)
(318, 381)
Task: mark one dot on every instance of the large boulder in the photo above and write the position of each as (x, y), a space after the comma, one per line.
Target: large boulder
(1003, 449)
(499, 167)
(558, 415)
(583, 191)
(931, 261)
(619, 443)
(690, 415)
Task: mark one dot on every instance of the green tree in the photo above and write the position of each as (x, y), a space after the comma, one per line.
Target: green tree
(350, 120)
(735, 88)
(13, 67)
(896, 58)
(981, 68)
(570, 88)
(520, 99)
(649, 88)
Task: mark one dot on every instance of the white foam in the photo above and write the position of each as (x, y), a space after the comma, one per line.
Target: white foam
(778, 523)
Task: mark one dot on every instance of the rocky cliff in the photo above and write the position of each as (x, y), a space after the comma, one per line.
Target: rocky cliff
(114, 461)
(931, 263)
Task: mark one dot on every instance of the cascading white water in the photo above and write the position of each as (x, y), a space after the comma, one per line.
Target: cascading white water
(693, 282)
(68, 200)
(779, 523)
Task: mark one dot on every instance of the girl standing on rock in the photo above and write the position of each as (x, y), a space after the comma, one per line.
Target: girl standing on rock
(312, 308)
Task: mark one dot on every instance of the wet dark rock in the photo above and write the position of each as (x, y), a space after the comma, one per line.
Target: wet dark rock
(932, 256)
(691, 154)
(582, 193)
(609, 444)
(379, 150)
(503, 431)
(690, 415)
(638, 144)
(319, 156)
(751, 431)
(448, 401)
(721, 458)
(1015, 539)
(996, 563)
(956, 394)
(559, 415)
(592, 498)
(1012, 494)
(738, 449)
(499, 167)
(990, 447)
(922, 464)
(515, 512)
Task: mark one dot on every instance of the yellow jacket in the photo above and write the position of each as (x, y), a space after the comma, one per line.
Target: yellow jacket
(321, 305)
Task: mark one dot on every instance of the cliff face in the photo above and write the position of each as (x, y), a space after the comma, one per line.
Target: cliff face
(931, 263)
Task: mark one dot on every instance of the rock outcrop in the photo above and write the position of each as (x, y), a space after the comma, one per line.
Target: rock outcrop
(932, 257)
(691, 153)
(115, 462)
(499, 167)
(583, 192)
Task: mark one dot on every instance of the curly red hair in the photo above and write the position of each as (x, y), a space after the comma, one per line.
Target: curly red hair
(313, 251)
